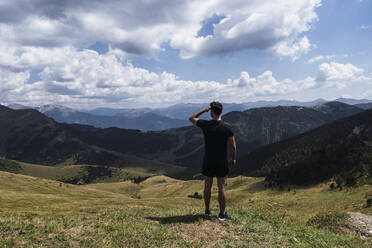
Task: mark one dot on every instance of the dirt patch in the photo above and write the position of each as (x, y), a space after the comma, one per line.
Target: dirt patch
(206, 232)
(360, 224)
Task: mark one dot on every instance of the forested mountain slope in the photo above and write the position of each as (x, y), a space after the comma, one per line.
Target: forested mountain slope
(342, 149)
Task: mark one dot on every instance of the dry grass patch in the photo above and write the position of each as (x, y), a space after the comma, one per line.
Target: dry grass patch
(210, 233)
(44, 213)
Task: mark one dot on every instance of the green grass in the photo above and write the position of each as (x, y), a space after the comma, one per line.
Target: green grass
(37, 212)
(332, 221)
(68, 173)
(10, 166)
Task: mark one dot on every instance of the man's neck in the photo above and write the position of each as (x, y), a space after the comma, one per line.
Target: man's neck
(216, 118)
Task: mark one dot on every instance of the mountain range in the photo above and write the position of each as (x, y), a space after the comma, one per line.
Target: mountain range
(183, 110)
(257, 127)
(141, 120)
(364, 105)
(341, 149)
(147, 119)
(30, 136)
(144, 122)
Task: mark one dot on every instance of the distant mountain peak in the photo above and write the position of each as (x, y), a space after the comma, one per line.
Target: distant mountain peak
(328, 104)
(352, 101)
(17, 106)
(2, 107)
(51, 107)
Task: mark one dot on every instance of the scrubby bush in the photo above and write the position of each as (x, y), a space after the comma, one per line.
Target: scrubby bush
(332, 186)
(332, 221)
(369, 202)
(9, 166)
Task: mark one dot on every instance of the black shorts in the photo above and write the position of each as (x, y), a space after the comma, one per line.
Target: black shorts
(215, 170)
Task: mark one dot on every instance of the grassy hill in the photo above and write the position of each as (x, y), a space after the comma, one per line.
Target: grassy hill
(157, 213)
(83, 174)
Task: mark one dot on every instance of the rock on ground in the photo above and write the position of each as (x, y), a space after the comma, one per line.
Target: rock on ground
(360, 224)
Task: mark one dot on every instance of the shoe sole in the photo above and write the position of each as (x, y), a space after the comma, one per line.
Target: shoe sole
(223, 219)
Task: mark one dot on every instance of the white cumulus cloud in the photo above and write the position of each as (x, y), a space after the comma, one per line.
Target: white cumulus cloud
(85, 78)
(319, 58)
(143, 27)
(49, 37)
(365, 27)
(339, 75)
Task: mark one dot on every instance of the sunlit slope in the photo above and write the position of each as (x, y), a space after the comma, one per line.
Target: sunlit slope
(21, 192)
(25, 193)
(298, 203)
(157, 212)
(84, 174)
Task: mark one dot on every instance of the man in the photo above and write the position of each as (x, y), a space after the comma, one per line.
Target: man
(217, 134)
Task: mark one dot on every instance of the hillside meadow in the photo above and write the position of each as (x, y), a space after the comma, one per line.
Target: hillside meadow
(157, 212)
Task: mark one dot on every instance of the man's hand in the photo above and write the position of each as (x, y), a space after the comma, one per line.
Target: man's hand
(207, 109)
(232, 163)
(194, 118)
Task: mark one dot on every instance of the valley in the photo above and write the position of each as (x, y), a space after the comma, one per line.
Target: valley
(62, 185)
(115, 116)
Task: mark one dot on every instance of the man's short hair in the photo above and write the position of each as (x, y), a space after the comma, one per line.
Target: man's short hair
(216, 107)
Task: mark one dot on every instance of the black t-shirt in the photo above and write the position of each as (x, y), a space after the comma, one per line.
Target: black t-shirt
(216, 134)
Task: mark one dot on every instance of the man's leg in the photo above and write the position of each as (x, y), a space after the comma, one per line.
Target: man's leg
(221, 181)
(208, 181)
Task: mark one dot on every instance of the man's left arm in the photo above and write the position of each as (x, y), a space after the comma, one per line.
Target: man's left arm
(194, 117)
(232, 145)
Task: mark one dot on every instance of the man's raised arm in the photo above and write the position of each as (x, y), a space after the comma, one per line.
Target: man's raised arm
(232, 146)
(194, 117)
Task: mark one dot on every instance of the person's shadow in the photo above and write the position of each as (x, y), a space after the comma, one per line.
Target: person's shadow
(178, 219)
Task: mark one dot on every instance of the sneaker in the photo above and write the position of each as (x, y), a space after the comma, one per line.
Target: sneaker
(207, 213)
(223, 217)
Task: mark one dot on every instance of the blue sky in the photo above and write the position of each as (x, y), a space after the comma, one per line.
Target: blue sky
(160, 53)
(337, 32)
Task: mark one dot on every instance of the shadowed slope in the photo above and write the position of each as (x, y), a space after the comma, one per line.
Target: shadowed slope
(344, 146)
(29, 136)
(258, 127)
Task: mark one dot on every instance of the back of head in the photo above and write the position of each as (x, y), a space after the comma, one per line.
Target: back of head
(216, 107)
